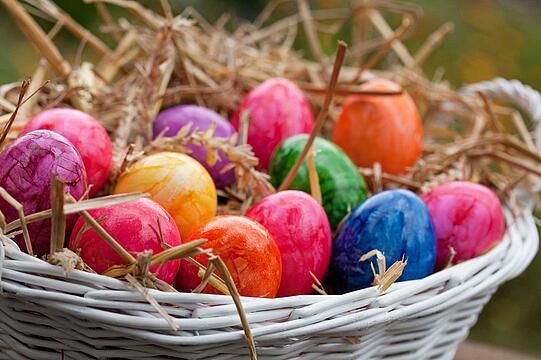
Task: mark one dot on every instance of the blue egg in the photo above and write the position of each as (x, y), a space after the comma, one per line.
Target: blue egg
(395, 222)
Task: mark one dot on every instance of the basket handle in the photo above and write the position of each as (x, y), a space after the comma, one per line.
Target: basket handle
(523, 96)
(526, 99)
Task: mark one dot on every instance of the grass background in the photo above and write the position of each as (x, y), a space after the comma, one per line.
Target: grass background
(491, 38)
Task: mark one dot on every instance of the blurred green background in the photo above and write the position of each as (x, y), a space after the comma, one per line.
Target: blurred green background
(491, 38)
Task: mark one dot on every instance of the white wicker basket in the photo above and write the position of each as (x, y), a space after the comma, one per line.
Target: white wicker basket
(45, 315)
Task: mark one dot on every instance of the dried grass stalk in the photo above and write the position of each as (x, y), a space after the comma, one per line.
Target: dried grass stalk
(216, 282)
(58, 218)
(38, 37)
(73, 208)
(315, 188)
(5, 131)
(104, 234)
(383, 277)
(68, 260)
(181, 251)
(241, 156)
(55, 12)
(224, 272)
(144, 291)
(322, 116)
(317, 286)
(20, 210)
(431, 43)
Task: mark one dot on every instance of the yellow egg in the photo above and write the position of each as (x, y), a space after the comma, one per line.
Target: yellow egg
(178, 183)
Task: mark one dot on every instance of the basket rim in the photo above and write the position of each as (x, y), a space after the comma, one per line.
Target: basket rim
(455, 273)
(208, 319)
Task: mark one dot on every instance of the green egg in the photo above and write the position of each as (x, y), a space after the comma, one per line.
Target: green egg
(342, 186)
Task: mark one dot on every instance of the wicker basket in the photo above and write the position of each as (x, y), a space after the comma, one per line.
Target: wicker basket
(45, 315)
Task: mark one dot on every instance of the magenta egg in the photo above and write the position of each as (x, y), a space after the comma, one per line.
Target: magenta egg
(170, 121)
(302, 232)
(86, 134)
(137, 225)
(26, 168)
(467, 217)
(277, 109)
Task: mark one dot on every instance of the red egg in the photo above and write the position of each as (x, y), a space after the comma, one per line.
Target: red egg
(248, 251)
(134, 225)
(277, 109)
(384, 129)
(467, 217)
(302, 232)
(86, 134)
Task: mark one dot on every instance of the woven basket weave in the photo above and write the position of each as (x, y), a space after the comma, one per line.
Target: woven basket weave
(44, 315)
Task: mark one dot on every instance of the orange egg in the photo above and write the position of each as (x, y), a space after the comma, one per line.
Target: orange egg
(384, 129)
(247, 249)
(178, 183)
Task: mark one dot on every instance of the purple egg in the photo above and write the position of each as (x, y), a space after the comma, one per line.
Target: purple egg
(175, 118)
(26, 167)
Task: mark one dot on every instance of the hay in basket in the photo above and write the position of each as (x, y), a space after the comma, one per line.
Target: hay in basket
(163, 59)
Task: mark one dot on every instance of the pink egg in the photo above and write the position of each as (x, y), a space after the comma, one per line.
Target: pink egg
(86, 134)
(302, 232)
(277, 109)
(467, 217)
(134, 225)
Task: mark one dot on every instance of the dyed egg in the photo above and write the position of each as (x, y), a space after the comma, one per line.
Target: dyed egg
(467, 217)
(395, 222)
(277, 110)
(178, 183)
(342, 186)
(134, 225)
(26, 168)
(384, 129)
(175, 118)
(301, 230)
(248, 251)
(86, 134)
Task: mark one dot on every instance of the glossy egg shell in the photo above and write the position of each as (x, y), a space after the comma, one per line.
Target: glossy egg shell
(467, 217)
(302, 232)
(26, 166)
(277, 110)
(175, 118)
(86, 134)
(395, 222)
(134, 225)
(342, 186)
(384, 129)
(248, 251)
(178, 183)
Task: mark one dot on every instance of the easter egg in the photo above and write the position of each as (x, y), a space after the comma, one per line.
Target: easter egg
(86, 134)
(277, 109)
(248, 251)
(467, 217)
(26, 168)
(384, 129)
(342, 186)
(137, 226)
(395, 222)
(175, 118)
(178, 183)
(302, 232)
